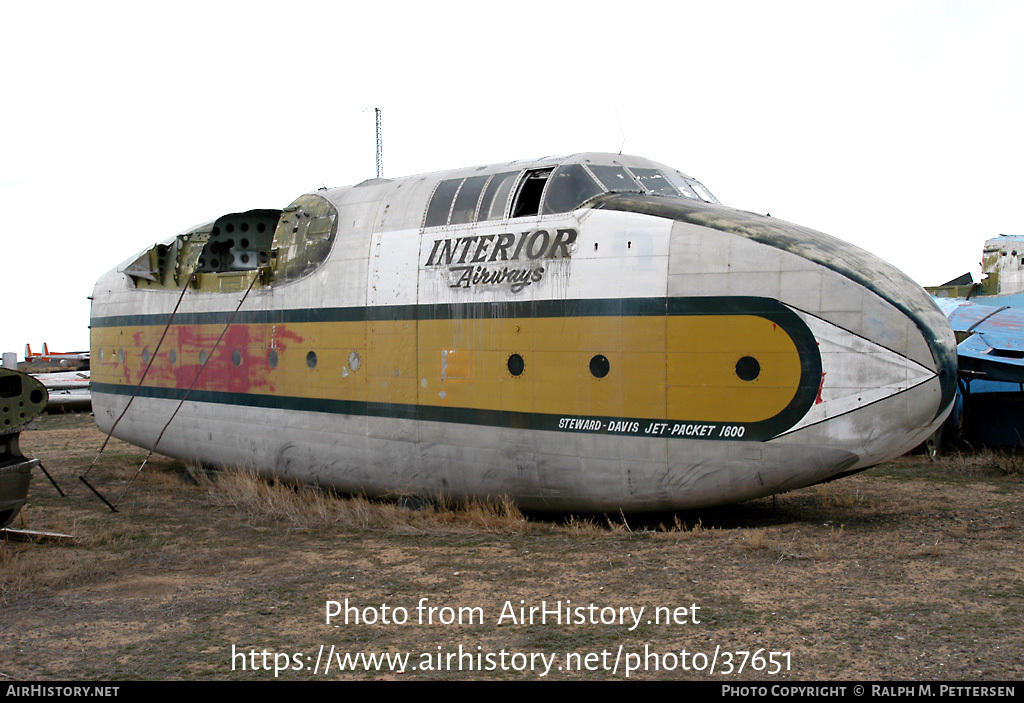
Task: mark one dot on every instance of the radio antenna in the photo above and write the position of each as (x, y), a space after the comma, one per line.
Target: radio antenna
(621, 130)
(380, 146)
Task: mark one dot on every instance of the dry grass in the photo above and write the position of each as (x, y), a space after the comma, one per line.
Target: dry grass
(984, 462)
(583, 527)
(837, 495)
(758, 539)
(778, 548)
(62, 566)
(908, 571)
(271, 502)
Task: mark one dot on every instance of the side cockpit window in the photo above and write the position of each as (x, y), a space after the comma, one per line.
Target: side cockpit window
(228, 253)
(702, 192)
(570, 187)
(616, 179)
(531, 189)
(549, 191)
(689, 188)
(464, 209)
(456, 201)
(441, 203)
(654, 181)
(495, 197)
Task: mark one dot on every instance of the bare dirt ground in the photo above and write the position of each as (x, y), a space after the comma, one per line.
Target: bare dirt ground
(909, 571)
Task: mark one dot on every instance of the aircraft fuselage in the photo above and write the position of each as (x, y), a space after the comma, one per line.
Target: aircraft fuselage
(590, 333)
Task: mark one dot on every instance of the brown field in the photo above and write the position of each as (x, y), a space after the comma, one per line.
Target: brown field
(912, 570)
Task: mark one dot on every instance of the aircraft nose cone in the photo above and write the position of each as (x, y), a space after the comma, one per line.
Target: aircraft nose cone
(854, 289)
(942, 343)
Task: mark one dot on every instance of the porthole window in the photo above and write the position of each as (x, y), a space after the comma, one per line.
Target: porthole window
(173, 356)
(516, 365)
(272, 358)
(311, 360)
(599, 366)
(748, 368)
(146, 356)
(236, 357)
(203, 356)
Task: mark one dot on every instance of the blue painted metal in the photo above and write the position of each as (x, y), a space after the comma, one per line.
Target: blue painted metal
(991, 360)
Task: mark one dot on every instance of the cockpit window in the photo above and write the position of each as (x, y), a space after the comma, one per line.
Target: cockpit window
(681, 183)
(653, 181)
(441, 202)
(466, 200)
(492, 204)
(615, 178)
(562, 189)
(527, 202)
(689, 187)
(569, 187)
(702, 192)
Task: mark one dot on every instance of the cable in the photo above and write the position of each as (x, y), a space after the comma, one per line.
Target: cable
(81, 477)
(185, 397)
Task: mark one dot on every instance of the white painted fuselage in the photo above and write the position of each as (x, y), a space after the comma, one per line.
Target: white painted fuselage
(618, 344)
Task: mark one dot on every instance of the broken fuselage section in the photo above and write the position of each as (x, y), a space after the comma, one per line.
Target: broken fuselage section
(226, 254)
(22, 398)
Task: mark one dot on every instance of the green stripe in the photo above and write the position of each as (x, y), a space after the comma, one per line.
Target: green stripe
(586, 307)
(751, 431)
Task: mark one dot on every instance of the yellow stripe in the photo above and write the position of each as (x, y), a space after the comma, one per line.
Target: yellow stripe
(675, 368)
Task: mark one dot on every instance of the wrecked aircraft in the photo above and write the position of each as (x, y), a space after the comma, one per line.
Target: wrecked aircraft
(1002, 276)
(988, 320)
(588, 333)
(68, 390)
(22, 398)
(51, 362)
(989, 408)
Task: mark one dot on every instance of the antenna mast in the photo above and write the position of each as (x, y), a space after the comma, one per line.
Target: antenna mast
(380, 155)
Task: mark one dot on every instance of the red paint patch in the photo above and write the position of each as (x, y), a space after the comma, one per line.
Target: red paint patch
(220, 372)
(279, 334)
(247, 344)
(820, 386)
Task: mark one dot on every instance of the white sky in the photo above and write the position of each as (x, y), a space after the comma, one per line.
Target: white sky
(896, 126)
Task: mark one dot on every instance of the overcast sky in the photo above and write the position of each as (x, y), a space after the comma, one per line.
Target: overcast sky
(896, 126)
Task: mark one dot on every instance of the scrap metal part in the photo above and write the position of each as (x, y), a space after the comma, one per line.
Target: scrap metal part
(22, 398)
